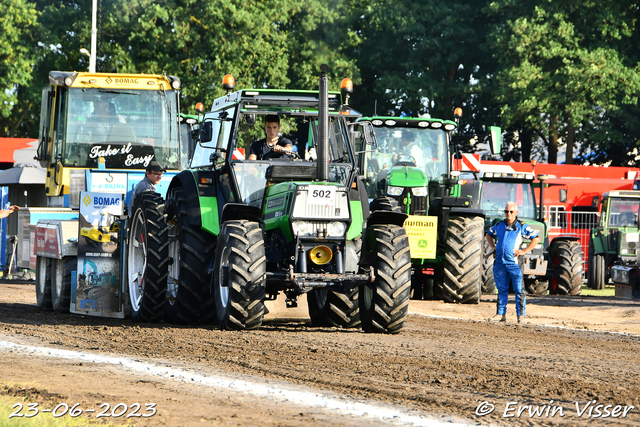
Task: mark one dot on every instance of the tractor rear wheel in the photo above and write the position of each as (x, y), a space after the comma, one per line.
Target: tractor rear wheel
(43, 283)
(488, 281)
(189, 297)
(385, 302)
(61, 286)
(239, 275)
(566, 259)
(463, 260)
(147, 258)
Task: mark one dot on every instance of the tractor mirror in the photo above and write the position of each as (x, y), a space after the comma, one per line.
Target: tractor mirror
(496, 139)
(206, 134)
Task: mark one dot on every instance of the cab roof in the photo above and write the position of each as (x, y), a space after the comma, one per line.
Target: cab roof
(274, 101)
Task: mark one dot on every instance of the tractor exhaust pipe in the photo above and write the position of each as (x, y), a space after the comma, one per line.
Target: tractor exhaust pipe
(323, 126)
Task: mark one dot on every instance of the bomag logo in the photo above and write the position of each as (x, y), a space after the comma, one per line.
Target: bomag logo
(126, 81)
(86, 200)
(106, 201)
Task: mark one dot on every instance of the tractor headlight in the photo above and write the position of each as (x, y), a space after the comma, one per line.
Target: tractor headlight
(419, 191)
(302, 228)
(394, 191)
(336, 229)
(620, 276)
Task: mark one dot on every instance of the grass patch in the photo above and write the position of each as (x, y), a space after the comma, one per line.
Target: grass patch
(12, 394)
(608, 291)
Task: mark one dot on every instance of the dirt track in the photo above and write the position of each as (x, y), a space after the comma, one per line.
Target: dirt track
(442, 367)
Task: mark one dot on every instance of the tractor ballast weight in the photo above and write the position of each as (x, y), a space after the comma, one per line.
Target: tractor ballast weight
(244, 231)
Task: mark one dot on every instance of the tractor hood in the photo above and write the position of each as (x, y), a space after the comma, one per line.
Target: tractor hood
(407, 176)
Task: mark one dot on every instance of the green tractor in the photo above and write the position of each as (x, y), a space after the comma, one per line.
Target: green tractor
(243, 231)
(411, 172)
(615, 240)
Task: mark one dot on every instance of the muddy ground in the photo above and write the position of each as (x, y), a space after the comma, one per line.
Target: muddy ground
(449, 363)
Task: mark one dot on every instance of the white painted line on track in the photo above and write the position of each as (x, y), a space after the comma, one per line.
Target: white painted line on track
(395, 415)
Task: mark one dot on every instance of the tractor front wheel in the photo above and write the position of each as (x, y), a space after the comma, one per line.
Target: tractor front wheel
(385, 302)
(147, 258)
(239, 275)
(463, 260)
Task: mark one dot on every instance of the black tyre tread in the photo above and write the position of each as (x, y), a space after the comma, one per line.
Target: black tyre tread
(384, 204)
(599, 272)
(247, 265)
(463, 260)
(389, 294)
(43, 290)
(156, 232)
(194, 303)
(339, 309)
(62, 302)
(536, 286)
(569, 269)
(488, 281)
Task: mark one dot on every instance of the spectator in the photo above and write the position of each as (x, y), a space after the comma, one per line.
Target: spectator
(506, 238)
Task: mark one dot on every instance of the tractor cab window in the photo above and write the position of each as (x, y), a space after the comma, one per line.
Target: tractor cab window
(214, 150)
(423, 148)
(128, 128)
(623, 212)
(495, 195)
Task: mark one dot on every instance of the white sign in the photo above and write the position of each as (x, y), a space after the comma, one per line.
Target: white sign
(108, 182)
(98, 208)
(324, 195)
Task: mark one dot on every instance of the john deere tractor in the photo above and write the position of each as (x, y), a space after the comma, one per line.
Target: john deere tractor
(243, 231)
(411, 172)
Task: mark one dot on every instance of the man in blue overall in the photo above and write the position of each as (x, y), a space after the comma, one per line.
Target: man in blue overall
(506, 238)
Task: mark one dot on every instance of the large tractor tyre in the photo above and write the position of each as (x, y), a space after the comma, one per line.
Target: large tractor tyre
(599, 272)
(62, 270)
(385, 302)
(488, 258)
(463, 260)
(43, 283)
(536, 286)
(239, 275)
(566, 259)
(339, 309)
(331, 308)
(384, 204)
(189, 297)
(147, 258)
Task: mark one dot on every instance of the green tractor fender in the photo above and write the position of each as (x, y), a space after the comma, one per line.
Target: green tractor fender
(200, 198)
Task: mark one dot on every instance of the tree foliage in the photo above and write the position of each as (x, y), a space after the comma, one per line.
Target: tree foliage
(552, 74)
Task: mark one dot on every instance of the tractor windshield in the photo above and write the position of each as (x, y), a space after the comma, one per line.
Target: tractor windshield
(419, 147)
(302, 133)
(128, 128)
(624, 212)
(495, 195)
